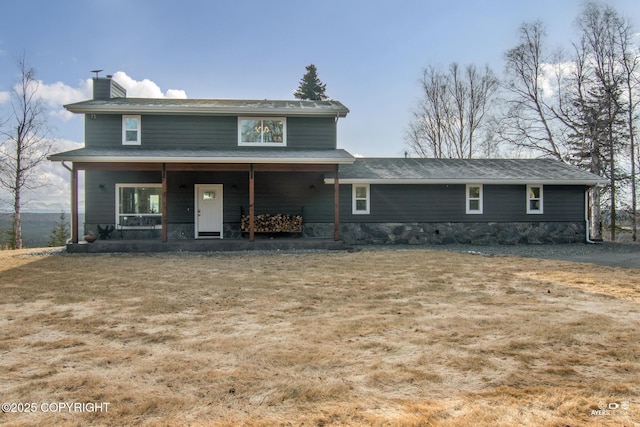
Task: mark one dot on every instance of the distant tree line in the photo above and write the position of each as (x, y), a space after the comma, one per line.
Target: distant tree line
(579, 107)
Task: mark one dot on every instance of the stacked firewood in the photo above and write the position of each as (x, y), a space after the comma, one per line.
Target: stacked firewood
(276, 223)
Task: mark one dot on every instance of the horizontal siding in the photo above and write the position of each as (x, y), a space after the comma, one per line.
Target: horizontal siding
(288, 192)
(103, 131)
(189, 132)
(446, 203)
(275, 193)
(311, 133)
(100, 192)
(194, 132)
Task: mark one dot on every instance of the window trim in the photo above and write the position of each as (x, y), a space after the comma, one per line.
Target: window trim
(138, 141)
(354, 199)
(468, 199)
(147, 215)
(529, 199)
(263, 144)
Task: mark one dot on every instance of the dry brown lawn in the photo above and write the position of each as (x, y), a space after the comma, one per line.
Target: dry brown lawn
(388, 338)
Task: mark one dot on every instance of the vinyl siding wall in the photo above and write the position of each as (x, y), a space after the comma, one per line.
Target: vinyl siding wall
(274, 193)
(207, 132)
(288, 192)
(446, 203)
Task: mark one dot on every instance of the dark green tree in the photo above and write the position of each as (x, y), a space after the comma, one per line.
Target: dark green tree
(310, 86)
(60, 232)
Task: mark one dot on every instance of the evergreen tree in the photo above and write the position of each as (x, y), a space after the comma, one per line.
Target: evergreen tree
(310, 86)
(60, 232)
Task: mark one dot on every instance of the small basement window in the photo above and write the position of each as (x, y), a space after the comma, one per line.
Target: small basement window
(534, 199)
(361, 199)
(131, 133)
(263, 132)
(474, 198)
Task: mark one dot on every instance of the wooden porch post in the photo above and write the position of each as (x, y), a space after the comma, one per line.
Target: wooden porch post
(164, 202)
(336, 207)
(74, 204)
(251, 204)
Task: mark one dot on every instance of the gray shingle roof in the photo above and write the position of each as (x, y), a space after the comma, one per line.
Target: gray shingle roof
(488, 171)
(209, 106)
(144, 155)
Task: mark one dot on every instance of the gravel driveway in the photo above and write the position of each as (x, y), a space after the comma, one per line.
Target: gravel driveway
(605, 253)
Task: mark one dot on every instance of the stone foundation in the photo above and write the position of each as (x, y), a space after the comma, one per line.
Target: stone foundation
(443, 233)
(480, 233)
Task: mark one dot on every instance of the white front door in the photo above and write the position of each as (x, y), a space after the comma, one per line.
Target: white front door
(208, 211)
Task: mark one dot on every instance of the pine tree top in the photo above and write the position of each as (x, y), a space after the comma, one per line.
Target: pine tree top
(311, 87)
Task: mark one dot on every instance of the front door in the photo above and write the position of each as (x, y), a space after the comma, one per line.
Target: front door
(208, 211)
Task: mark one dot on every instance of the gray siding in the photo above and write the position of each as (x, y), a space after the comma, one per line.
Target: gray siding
(288, 192)
(275, 193)
(446, 203)
(100, 192)
(193, 132)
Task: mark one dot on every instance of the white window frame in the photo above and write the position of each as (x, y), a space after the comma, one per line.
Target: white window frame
(263, 144)
(119, 215)
(138, 141)
(480, 199)
(355, 199)
(530, 199)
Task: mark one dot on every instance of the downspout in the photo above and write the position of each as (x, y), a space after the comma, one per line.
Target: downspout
(586, 217)
(71, 216)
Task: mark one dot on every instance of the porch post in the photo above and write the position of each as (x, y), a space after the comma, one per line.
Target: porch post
(74, 204)
(164, 202)
(251, 204)
(336, 206)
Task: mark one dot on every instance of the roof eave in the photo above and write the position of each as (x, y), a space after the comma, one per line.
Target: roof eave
(230, 160)
(435, 181)
(217, 111)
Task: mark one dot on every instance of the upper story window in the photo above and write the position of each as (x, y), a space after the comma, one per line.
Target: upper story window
(474, 198)
(131, 130)
(255, 131)
(361, 199)
(534, 199)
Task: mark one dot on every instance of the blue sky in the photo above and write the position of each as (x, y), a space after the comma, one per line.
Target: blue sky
(369, 53)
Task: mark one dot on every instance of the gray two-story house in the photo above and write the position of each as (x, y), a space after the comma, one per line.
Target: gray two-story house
(170, 169)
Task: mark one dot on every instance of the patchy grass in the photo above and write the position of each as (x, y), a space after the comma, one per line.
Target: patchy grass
(393, 338)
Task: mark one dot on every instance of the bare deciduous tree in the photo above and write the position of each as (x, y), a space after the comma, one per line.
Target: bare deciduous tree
(452, 111)
(529, 122)
(25, 145)
(601, 103)
(630, 62)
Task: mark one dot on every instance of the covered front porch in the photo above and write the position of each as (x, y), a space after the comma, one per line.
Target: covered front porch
(245, 188)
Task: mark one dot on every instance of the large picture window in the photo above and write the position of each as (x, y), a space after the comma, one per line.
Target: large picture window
(474, 198)
(139, 205)
(131, 134)
(262, 131)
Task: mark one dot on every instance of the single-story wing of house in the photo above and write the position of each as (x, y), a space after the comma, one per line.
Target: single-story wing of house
(187, 169)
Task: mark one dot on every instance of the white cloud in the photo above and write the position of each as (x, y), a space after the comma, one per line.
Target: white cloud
(176, 93)
(548, 79)
(58, 94)
(145, 88)
(53, 189)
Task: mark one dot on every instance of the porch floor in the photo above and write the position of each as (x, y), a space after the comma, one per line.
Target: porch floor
(206, 245)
